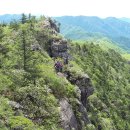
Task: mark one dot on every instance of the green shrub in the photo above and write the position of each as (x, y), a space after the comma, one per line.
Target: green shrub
(21, 123)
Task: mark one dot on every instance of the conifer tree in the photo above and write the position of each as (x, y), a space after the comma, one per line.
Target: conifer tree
(1, 33)
(23, 19)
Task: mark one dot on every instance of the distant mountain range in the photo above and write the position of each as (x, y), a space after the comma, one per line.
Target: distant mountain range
(86, 27)
(9, 17)
(125, 19)
(115, 30)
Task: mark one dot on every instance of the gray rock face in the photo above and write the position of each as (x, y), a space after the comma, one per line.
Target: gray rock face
(83, 118)
(51, 24)
(84, 84)
(75, 118)
(59, 49)
(68, 119)
(57, 46)
(86, 88)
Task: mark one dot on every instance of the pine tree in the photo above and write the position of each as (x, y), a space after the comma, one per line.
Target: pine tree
(1, 33)
(23, 19)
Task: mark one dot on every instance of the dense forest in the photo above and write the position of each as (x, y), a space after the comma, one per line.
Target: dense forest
(110, 75)
(92, 89)
(116, 30)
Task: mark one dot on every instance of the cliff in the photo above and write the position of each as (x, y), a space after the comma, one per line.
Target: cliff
(91, 93)
(68, 113)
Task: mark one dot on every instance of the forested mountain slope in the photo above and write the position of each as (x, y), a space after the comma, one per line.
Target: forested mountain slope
(115, 29)
(110, 76)
(91, 93)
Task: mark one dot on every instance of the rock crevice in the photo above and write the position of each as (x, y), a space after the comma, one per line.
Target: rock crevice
(86, 89)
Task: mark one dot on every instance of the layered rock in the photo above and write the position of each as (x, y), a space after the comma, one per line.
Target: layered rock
(68, 119)
(59, 48)
(57, 45)
(76, 117)
(52, 25)
(84, 84)
(76, 114)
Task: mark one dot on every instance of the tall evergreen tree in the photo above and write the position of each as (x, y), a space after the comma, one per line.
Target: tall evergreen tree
(23, 19)
(1, 32)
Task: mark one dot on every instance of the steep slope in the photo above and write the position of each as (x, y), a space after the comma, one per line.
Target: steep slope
(83, 97)
(112, 28)
(32, 95)
(109, 105)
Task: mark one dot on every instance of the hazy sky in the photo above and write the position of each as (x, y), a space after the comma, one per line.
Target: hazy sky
(102, 8)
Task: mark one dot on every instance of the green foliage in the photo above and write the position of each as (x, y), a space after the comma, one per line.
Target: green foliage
(59, 85)
(5, 110)
(126, 56)
(27, 77)
(21, 123)
(1, 33)
(90, 127)
(5, 82)
(110, 76)
(97, 29)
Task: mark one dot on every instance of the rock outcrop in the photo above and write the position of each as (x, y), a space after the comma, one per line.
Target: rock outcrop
(59, 48)
(84, 84)
(76, 117)
(72, 117)
(52, 25)
(68, 119)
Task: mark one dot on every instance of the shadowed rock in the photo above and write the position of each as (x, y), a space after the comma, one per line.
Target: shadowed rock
(59, 48)
(84, 84)
(68, 119)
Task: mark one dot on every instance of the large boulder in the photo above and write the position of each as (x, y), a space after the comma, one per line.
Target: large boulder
(68, 119)
(84, 85)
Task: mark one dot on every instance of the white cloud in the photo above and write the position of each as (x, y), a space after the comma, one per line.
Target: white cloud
(102, 8)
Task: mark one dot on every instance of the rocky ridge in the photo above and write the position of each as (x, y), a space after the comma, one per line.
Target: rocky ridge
(69, 114)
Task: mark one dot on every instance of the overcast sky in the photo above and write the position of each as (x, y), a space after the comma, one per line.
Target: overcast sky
(101, 8)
